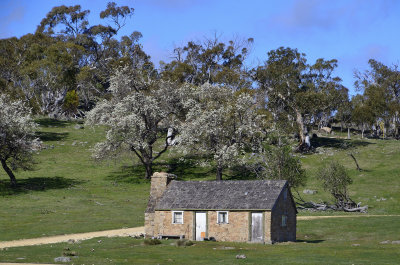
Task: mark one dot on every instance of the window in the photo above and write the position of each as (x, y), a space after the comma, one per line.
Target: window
(177, 217)
(222, 217)
(284, 220)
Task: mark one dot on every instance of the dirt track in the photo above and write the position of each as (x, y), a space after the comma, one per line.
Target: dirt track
(64, 238)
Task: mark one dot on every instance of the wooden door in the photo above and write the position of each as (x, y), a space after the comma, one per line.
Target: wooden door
(257, 227)
(201, 225)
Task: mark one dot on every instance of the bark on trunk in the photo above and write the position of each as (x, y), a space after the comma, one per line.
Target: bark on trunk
(219, 173)
(300, 123)
(149, 169)
(362, 131)
(13, 180)
(348, 132)
(355, 161)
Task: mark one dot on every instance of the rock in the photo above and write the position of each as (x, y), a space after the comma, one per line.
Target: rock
(71, 241)
(62, 259)
(74, 143)
(385, 242)
(309, 191)
(228, 248)
(356, 245)
(241, 256)
(396, 242)
(78, 126)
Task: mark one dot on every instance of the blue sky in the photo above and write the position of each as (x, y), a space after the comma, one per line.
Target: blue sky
(351, 31)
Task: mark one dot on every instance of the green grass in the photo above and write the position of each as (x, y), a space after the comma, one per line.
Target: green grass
(328, 241)
(69, 193)
(379, 178)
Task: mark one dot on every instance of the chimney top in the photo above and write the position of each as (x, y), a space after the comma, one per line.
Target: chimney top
(163, 175)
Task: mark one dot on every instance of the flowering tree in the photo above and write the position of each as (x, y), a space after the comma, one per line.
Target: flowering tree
(223, 123)
(17, 137)
(138, 115)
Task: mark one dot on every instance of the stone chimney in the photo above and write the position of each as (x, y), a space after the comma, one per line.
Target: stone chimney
(159, 183)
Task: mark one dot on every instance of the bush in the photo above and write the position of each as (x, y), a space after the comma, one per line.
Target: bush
(183, 243)
(335, 179)
(151, 241)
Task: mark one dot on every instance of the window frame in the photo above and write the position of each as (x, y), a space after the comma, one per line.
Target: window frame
(227, 217)
(284, 220)
(285, 194)
(173, 217)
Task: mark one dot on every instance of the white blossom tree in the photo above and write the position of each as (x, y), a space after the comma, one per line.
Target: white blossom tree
(17, 137)
(221, 122)
(138, 115)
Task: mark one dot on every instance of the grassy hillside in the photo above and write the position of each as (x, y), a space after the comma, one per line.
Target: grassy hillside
(68, 192)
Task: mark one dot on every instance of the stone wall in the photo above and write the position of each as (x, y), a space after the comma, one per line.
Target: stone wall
(267, 227)
(286, 207)
(236, 230)
(163, 224)
(149, 224)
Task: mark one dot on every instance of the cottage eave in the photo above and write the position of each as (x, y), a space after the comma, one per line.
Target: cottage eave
(222, 209)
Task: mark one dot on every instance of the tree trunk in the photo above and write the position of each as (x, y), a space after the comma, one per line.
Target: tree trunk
(362, 131)
(348, 132)
(13, 180)
(219, 173)
(355, 161)
(149, 169)
(300, 123)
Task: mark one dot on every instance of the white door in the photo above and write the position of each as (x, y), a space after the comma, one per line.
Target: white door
(201, 226)
(256, 227)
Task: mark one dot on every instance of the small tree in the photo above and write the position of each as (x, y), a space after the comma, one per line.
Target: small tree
(335, 179)
(280, 163)
(223, 123)
(17, 137)
(71, 102)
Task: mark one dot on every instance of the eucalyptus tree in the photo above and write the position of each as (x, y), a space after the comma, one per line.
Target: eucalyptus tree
(138, 116)
(68, 55)
(223, 123)
(381, 88)
(362, 113)
(295, 91)
(210, 61)
(17, 137)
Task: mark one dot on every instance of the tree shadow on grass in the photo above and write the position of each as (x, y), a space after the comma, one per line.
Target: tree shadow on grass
(337, 143)
(51, 136)
(184, 169)
(129, 174)
(37, 184)
(47, 122)
(188, 168)
(239, 172)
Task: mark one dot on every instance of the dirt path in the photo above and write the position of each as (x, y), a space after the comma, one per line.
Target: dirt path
(341, 216)
(64, 238)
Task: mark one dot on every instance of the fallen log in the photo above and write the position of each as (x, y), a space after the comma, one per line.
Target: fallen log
(357, 209)
(350, 207)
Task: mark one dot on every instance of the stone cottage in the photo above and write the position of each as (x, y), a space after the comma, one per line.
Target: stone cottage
(244, 210)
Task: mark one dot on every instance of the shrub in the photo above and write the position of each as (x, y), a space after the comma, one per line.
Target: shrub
(151, 241)
(183, 243)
